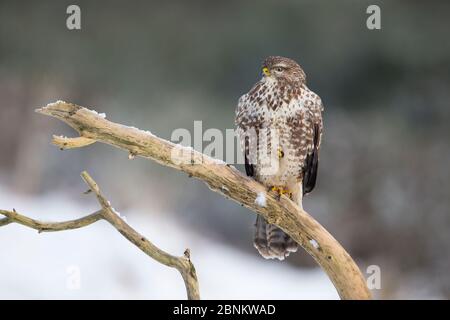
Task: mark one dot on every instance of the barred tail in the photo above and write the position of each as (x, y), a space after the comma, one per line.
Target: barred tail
(272, 242)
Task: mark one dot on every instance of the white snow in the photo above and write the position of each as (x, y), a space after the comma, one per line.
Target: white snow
(261, 199)
(53, 104)
(119, 215)
(148, 133)
(102, 115)
(219, 161)
(116, 212)
(314, 243)
(97, 262)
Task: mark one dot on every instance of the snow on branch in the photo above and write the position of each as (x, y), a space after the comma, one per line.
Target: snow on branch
(182, 264)
(226, 180)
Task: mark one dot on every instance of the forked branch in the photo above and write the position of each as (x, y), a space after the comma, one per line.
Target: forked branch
(183, 264)
(226, 180)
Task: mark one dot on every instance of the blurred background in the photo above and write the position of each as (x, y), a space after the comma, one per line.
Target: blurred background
(384, 178)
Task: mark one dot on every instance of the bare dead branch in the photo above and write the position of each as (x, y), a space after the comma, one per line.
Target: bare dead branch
(183, 264)
(71, 143)
(5, 221)
(13, 216)
(229, 182)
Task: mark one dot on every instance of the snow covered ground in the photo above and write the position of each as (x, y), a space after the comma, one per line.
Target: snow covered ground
(98, 263)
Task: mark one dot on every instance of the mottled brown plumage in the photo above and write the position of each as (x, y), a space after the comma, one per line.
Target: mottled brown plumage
(279, 123)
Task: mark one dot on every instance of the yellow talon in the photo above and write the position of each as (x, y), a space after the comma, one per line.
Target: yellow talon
(286, 192)
(280, 153)
(280, 191)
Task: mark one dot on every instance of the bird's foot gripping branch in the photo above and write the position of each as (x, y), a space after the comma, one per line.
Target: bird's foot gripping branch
(224, 179)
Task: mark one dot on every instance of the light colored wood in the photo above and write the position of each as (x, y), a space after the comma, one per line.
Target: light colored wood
(183, 264)
(228, 181)
(71, 143)
(15, 217)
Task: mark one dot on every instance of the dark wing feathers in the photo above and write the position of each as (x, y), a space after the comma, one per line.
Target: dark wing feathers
(249, 167)
(312, 164)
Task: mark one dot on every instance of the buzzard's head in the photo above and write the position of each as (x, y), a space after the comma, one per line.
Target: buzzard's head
(284, 70)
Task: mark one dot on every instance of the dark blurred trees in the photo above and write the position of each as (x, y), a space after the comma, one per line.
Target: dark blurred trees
(384, 166)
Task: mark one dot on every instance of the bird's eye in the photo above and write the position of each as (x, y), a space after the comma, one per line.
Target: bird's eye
(279, 69)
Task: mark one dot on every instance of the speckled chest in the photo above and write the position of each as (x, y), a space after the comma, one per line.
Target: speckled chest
(282, 109)
(294, 114)
(282, 116)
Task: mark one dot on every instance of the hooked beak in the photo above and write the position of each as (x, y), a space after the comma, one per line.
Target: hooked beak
(266, 71)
